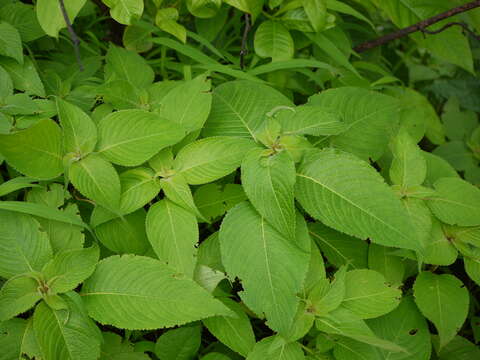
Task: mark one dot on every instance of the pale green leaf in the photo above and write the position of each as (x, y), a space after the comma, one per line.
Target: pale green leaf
(369, 117)
(239, 108)
(273, 40)
(177, 190)
(23, 18)
(166, 20)
(188, 104)
(179, 344)
(79, 131)
(439, 250)
(237, 334)
(70, 268)
(269, 181)
(409, 167)
(6, 85)
(271, 266)
(457, 202)
(25, 77)
(131, 137)
(472, 268)
(268, 348)
(96, 179)
(135, 292)
(125, 11)
(349, 349)
(443, 300)
(437, 168)
(67, 334)
(316, 11)
(127, 65)
(10, 42)
(326, 296)
(406, 327)
(459, 349)
(367, 295)
(24, 247)
(139, 186)
(390, 266)
(173, 234)
(330, 187)
(16, 184)
(36, 151)
(115, 347)
(50, 16)
(18, 295)
(209, 159)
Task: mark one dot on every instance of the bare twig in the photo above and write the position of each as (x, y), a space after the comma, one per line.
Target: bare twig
(244, 50)
(420, 26)
(446, 26)
(73, 35)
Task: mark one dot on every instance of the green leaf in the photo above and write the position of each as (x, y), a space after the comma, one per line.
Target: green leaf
(340, 249)
(269, 181)
(115, 347)
(166, 20)
(459, 349)
(66, 334)
(204, 9)
(23, 18)
(369, 117)
(12, 334)
(390, 266)
(472, 268)
(24, 247)
(368, 296)
(212, 201)
(209, 159)
(36, 151)
(409, 167)
(6, 84)
(125, 11)
(443, 300)
(96, 179)
(177, 190)
(237, 334)
(271, 266)
(18, 295)
(179, 344)
(309, 120)
(253, 7)
(50, 16)
(16, 184)
(439, 250)
(25, 77)
(268, 348)
(273, 40)
(125, 235)
(330, 187)
(128, 65)
(131, 137)
(457, 202)
(139, 186)
(70, 268)
(349, 349)
(316, 11)
(130, 292)
(239, 108)
(437, 168)
(406, 327)
(10, 42)
(188, 104)
(173, 234)
(326, 296)
(79, 131)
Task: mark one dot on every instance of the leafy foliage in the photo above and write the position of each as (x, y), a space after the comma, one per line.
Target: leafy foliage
(238, 179)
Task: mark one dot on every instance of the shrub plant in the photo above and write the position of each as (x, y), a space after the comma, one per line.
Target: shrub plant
(241, 179)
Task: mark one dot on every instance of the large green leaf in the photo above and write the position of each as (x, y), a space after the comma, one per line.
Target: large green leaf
(79, 131)
(96, 179)
(381, 260)
(179, 344)
(367, 295)
(273, 40)
(131, 137)
(68, 333)
(10, 42)
(12, 338)
(237, 334)
(406, 327)
(274, 348)
(443, 300)
(209, 159)
(271, 266)
(127, 65)
(369, 118)
(135, 292)
(457, 202)
(331, 186)
(178, 191)
(36, 151)
(188, 104)
(269, 182)
(125, 11)
(24, 76)
(23, 246)
(139, 186)
(70, 268)
(23, 18)
(50, 16)
(173, 234)
(239, 108)
(115, 347)
(18, 295)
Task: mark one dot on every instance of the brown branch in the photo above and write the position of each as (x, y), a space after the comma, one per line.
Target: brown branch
(73, 35)
(420, 26)
(446, 26)
(244, 50)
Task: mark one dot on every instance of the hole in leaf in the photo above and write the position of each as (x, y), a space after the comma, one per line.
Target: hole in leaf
(413, 331)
